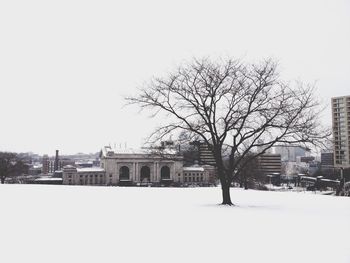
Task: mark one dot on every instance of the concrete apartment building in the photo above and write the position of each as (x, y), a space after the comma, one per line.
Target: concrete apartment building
(270, 164)
(341, 131)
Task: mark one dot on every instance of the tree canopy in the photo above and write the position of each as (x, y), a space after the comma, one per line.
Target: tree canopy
(10, 165)
(236, 108)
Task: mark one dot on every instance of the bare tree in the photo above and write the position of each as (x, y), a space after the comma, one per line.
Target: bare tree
(249, 176)
(235, 108)
(10, 165)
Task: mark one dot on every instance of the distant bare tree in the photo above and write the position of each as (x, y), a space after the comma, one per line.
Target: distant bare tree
(249, 176)
(10, 165)
(235, 108)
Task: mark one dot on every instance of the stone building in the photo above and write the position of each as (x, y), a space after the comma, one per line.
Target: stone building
(199, 175)
(83, 176)
(127, 167)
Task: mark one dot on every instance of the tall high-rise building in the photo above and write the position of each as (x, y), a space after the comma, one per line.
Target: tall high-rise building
(341, 131)
(202, 153)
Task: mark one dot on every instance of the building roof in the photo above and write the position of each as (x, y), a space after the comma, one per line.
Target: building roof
(69, 166)
(48, 179)
(90, 169)
(112, 151)
(193, 169)
(108, 150)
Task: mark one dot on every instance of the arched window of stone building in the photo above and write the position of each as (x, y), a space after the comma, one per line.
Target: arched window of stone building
(124, 173)
(145, 173)
(165, 172)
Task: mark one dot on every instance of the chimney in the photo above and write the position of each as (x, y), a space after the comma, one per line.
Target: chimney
(56, 162)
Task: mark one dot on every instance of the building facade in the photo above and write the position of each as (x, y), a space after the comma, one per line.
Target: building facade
(290, 153)
(83, 176)
(327, 159)
(270, 164)
(206, 156)
(341, 131)
(199, 175)
(125, 167)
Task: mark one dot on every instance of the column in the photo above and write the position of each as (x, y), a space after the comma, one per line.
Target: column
(116, 173)
(137, 175)
(133, 172)
(156, 174)
(175, 177)
(153, 179)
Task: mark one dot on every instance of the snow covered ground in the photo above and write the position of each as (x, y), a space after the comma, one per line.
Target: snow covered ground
(43, 223)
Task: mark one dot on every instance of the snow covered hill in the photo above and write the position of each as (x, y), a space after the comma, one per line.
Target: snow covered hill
(42, 223)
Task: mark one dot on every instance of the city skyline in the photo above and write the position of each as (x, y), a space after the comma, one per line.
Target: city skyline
(66, 66)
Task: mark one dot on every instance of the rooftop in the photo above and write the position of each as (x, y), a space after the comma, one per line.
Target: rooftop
(193, 169)
(110, 151)
(90, 169)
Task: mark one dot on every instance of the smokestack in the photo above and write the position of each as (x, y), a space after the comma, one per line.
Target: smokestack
(56, 162)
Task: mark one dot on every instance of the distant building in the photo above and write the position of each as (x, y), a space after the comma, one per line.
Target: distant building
(341, 131)
(45, 164)
(290, 153)
(327, 165)
(327, 159)
(313, 167)
(125, 166)
(200, 175)
(269, 164)
(46, 180)
(35, 170)
(142, 167)
(83, 176)
(206, 156)
(269, 167)
(203, 155)
(50, 165)
(85, 164)
(305, 159)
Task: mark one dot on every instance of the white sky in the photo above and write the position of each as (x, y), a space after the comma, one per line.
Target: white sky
(66, 65)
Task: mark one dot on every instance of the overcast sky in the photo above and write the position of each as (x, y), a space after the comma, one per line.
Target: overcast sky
(66, 65)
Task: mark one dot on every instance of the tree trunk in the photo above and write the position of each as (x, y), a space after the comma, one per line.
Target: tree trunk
(225, 183)
(2, 180)
(245, 184)
(226, 198)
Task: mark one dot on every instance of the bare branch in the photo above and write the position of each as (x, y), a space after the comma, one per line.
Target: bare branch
(235, 107)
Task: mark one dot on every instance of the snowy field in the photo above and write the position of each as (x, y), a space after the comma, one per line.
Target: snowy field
(114, 224)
